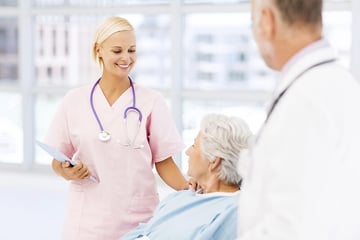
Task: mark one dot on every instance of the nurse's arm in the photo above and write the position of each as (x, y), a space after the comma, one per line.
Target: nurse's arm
(171, 174)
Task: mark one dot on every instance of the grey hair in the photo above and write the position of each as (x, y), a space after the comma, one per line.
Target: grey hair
(299, 11)
(224, 137)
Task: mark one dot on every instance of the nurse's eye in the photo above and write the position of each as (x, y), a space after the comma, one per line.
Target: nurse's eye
(132, 50)
(116, 51)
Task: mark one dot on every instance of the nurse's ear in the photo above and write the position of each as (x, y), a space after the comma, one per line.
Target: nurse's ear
(98, 50)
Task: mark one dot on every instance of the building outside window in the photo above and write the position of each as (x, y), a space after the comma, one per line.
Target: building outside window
(200, 54)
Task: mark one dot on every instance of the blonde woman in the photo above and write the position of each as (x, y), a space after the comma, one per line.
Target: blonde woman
(117, 131)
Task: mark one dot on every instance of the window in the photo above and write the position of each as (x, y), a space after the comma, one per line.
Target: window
(215, 45)
(8, 50)
(11, 132)
(95, 3)
(199, 53)
(8, 3)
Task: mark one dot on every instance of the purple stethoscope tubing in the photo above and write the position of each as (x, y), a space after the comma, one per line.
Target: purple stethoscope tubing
(131, 108)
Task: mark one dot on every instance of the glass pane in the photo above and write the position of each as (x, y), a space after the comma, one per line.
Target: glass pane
(8, 50)
(96, 3)
(337, 24)
(8, 3)
(63, 50)
(11, 133)
(45, 107)
(153, 50)
(238, 1)
(254, 115)
(220, 53)
(214, 1)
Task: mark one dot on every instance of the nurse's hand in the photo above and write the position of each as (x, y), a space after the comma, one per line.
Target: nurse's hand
(69, 172)
(77, 172)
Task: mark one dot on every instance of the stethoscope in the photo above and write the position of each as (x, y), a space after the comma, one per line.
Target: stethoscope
(295, 79)
(276, 101)
(105, 136)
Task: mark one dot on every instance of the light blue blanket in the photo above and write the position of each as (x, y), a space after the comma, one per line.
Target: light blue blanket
(188, 215)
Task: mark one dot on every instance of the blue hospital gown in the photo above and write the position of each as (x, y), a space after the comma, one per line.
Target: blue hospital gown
(187, 215)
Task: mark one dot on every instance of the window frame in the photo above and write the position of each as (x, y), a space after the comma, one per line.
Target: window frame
(176, 9)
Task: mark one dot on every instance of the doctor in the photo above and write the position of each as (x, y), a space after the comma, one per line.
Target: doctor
(304, 174)
(117, 130)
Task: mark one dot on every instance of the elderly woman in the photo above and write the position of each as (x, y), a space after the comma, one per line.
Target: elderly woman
(211, 211)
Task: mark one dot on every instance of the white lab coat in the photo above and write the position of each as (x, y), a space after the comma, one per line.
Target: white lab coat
(304, 170)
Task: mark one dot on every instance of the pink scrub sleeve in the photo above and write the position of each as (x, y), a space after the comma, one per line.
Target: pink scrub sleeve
(164, 138)
(58, 132)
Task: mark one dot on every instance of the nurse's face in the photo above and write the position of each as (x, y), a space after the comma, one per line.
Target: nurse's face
(118, 53)
(198, 166)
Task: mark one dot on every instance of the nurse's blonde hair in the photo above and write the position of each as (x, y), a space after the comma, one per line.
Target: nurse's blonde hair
(110, 26)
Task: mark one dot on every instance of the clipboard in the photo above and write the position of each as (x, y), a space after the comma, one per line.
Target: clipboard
(60, 156)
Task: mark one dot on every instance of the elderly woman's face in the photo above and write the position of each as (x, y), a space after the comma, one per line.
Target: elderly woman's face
(198, 167)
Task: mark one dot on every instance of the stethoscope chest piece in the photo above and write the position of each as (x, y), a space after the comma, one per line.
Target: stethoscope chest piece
(104, 136)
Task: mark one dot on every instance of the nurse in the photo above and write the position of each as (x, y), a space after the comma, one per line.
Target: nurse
(117, 131)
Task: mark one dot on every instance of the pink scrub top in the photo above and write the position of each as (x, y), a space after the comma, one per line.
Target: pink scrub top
(126, 193)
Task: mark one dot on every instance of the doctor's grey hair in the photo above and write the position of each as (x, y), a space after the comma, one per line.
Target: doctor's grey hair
(224, 137)
(307, 12)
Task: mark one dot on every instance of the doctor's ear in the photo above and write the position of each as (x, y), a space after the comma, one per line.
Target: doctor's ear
(268, 23)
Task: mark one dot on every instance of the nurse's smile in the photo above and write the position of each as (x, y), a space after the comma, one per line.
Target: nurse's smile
(123, 66)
